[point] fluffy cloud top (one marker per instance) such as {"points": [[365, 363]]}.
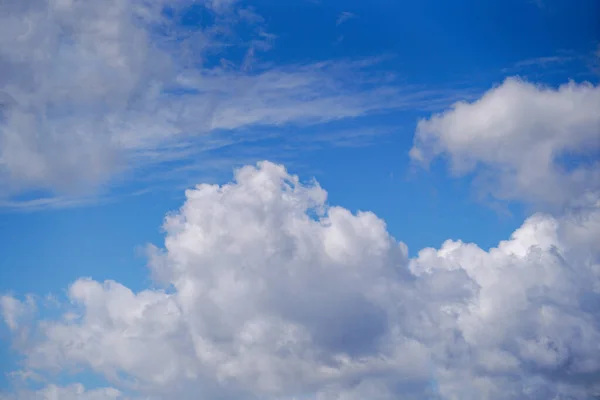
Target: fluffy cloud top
{"points": [[267, 290], [272, 293], [523, 141]]}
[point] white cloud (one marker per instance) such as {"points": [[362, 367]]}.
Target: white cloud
{"points": [[71, 392], [13, 311], [273, 294], [89, 87], [515, 139], [343, 17]]}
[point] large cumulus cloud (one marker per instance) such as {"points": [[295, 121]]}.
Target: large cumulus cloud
{"points": [[270, 292]]}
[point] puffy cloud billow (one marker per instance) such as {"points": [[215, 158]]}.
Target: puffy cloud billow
{"points": [[522, 141], [269, 292], [264, 290]]}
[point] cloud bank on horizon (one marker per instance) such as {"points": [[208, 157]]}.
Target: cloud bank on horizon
{"points": [[262, 288]]}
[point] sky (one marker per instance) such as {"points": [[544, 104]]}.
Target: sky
{"points": [[303, 199]]}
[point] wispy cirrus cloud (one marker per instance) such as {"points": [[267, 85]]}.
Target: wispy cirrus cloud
{"points": [[91, 91], [344, 17], [544, 61], [556, 63]]}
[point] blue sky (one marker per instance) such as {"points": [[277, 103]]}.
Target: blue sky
{"points": [[108, 116]]}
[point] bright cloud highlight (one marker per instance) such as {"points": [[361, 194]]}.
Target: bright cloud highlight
{"points": [[522, 141], [271, 292], [263, 289]]}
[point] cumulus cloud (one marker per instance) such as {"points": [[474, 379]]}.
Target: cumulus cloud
{"points": [[14, 311], [522, 141], [270, 292]]}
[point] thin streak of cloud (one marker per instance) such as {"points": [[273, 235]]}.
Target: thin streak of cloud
{"points": [[544, 61], [134, 99], [344, 17], [539, 3]]}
